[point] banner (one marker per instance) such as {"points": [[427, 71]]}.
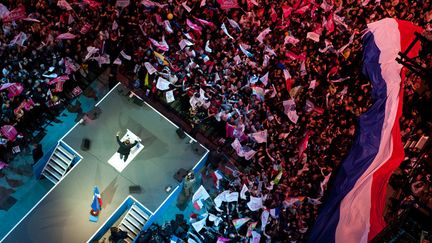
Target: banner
{"points": [[228, 4], [150, 68]]}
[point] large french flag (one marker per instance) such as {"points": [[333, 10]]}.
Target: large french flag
{"points": [[354, 209]]}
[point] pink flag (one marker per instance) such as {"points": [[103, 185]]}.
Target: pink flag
{"points": [[229, 130], [193, 26], [9, 132], [85, 28], [58, 79], [70, 67], [250, 3], [66, 36], [304, 143], [329, 23], [221, 239], [286, 11], [15, 89], [228, 4], [291, 40], [163, 46], [16, 14], [92, 4], [273, 15], [5, 86], [4, 11], [205, 22], [303, 9], [149, 4], [31, 20], [64, 5]]}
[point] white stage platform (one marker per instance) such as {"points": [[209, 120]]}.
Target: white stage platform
{"points": [[120, 164]]}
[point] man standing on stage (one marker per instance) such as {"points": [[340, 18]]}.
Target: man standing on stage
{"points": [[125, 147]]}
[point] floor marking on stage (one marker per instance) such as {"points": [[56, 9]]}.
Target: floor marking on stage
{"points": [[118, 163]]}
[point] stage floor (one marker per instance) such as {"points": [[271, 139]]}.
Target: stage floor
{"points": [[63, 214]]}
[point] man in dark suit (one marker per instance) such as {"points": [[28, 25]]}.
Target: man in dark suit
{"points": [[125, 147]]}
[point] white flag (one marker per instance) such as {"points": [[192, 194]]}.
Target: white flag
{"points": [[169, 96], [264, 219], [183, 43], [168, 27], [263, 34], [200, 224], [290, 110], [207, 48], [243, 192], [150, 68], [234, 24], [255, 203], [313, 36], [260, 137], [162, 84], [184, 4], [226, 31], [114, 25], [201, 193], [232, 197]]}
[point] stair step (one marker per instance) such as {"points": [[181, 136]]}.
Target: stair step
{"points": [[65, 152], [137, 216], [56, 167], [49, 177], [62, 157], [53, 173], [134, 222], [143, 214], [59, 162], [134, 231], [131, 238]]}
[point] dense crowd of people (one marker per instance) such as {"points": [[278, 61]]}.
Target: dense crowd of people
{"points": [[282, 78]]}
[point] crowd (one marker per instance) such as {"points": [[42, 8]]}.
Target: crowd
{"points": [[282, 78]]}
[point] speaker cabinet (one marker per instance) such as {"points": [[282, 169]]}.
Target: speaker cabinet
{"points": [[181, 133], [85, 144]]}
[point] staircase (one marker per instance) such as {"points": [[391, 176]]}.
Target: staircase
{"points": [[133, 222], [58, 164]]}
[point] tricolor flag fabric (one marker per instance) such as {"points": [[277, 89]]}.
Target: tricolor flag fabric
{"points": [[239, 222], [14, 15], [354, 209], [97, 200]]}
